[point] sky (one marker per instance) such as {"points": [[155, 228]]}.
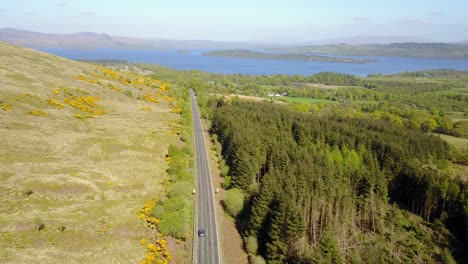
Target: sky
{"points": [[243, 20]]}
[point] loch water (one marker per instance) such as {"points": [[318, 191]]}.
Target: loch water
{"points": [[195, 60]]}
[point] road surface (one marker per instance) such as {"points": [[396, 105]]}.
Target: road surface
{"points": [[206, 248]]}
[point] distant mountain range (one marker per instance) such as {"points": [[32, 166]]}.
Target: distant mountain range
{"points": [[359, 40], [409, 49], [35, 39], [91, 40], [352, 46], [87, 40]]}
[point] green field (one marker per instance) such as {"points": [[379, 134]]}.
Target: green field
{"points": [[305, 100], [457, 142]]}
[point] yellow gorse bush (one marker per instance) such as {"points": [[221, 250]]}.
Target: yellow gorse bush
{"points": [[140, 81], [86, 79], [115, 88], [157, 253], [85, 104], [175, 108], [150, 98], [164, 87], [176, 128], [55, 103], [168, 98], [146, 109], [111, 73], [146, 213], [6, 107], [37, 112]]}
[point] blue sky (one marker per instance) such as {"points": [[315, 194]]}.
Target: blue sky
{"points": [[243, 20]]}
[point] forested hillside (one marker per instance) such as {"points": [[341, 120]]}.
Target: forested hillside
{"points": [[410, 49], [343, 168], [324, 188]]}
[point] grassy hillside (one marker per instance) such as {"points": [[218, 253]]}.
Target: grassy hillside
{"points": [[82, 149]]}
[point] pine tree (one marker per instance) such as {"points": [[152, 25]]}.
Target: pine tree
{"points": [[328, 251]]}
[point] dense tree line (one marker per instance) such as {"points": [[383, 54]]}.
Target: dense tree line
{"points": [[331, 188], [437, 89], [321, 188]]}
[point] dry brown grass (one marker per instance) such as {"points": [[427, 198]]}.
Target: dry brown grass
{"points": [[89, 175]]}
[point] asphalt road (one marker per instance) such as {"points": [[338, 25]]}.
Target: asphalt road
{"points": [[206, 247]]}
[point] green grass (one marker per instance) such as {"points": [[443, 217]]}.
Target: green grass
{"points": [[305, 100], [458, 143]]}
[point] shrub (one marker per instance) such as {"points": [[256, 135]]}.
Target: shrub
{"points": [[85, 104], [234, 201], [28, 193], [251, 245], [181, 188], [147, 109], [37, 113], [174, 151], [257, 260], [38, 224], [176, 203], [5, 106], [178, 170], [225, 170], [176, 224], [157, 253], [227, 182], [55, 103], [61, 227], [149, 98], [128, 93], [158, 211], [222, 163]]}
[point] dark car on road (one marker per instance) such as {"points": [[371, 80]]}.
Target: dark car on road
{"points": [[201, 232]]}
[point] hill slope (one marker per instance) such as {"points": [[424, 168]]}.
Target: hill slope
{"points": [[416, 50], [77, 40], [92, 40], [80, 156]]}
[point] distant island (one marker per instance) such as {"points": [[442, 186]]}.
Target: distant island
{"points": [[249, 54], [410, 50]]}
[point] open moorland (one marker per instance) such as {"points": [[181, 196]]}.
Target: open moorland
{"points": [[82, 149]]}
